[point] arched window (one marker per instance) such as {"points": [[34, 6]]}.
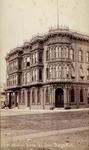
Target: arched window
{"points": [[56, 71], [60, 71], [50, 53], [33, 97], [47, 96], [28, 61], [38, 96], [33, 58], [23, 97], [40, 74], [47, 73], [47, 55], [40, 57], [72, 54], [67, 52], [72, 72], [88, 74], [59, 52], [67, 71], [81, 95], [28, 77], [80, 55], [56, 51], [36, 57], [87, 56], [72, 95], [81, 72], [25, 77]]}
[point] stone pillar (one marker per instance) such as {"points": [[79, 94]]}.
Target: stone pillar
{"points": [[10, 98], [15, 99], [85, 96], [53, 91], [43, 102], [77, 97], [65, 97]]}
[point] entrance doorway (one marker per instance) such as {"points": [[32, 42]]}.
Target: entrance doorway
{"points": [[59, 97]]}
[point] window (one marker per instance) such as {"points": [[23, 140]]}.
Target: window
{"points": [[88, 74], [81, 72], [81, 95], [38, 96], [28, 61], [19, 79], [67, 52], [23, 97], [33, 97], [33, 58], [80, 55], [57, 71], [72, 54], [24, 62], [72, 72], [59, 52], [47, 73], [50, 74], [24, 78], [87, 57], [60, 71], [72, 95], [28, 77], [47, 96], [47, 55], [67, 71], [40, 74], [40, 57], [56, 52]]}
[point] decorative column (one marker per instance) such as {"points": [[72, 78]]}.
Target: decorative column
{"points": [[85, 96], [43, 102], [77, 97], [66, 98]]}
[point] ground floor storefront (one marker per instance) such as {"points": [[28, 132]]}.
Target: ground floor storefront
{"points": [[49, 96]]}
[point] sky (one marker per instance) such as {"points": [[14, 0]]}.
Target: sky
{"points": [[22, 19]]}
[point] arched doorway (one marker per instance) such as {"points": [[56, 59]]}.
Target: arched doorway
{"points": [[59, 97]]}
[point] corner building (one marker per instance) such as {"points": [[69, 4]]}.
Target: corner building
{"points": [[50, 71]]}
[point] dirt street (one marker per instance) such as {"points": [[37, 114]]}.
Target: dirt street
{"points": [[46, 131]]}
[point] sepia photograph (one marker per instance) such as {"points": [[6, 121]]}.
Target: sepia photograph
{"points": [[44, 74]]}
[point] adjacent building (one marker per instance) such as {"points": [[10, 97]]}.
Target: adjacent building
{"points": [[50, 71]]}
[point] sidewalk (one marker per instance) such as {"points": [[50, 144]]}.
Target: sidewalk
{"points": [[15, 111]]}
